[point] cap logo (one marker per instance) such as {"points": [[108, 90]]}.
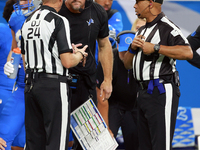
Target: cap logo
{"points": [[128, 40]]}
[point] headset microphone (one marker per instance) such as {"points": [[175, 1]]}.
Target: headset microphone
{"points": [[89, 3], [144, 9]]}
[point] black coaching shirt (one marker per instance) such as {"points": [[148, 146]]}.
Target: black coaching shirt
{"points": [[160, 31], [85, 28], [46, 35]]}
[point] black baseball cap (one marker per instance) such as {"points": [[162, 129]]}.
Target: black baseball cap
{"points": [[157, 1]]}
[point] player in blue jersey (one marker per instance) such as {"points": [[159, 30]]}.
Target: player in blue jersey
{"points": [[114, 22], [12, 128], [114, 17], [6, 84]]}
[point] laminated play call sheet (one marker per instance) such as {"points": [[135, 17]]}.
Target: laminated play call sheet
{"points": [[90, 128]]}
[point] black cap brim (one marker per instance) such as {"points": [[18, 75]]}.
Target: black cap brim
{"points": [[158, 1]]}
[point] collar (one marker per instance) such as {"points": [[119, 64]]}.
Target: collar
{"points": [[47, 7], [149, 24]]}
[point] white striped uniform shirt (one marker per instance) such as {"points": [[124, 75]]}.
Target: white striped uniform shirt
{"points": [[45, 35], [160, 31]]}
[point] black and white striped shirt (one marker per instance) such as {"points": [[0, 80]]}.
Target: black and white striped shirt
{"points": [[46, 35], [160, 31]]}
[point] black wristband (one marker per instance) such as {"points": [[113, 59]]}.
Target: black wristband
{"points": [[131, 50]]}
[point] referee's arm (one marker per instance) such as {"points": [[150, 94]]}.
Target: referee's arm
{"points": [[128, 57], [180, 52], [69, 59], [177, 52], [128, 60]]}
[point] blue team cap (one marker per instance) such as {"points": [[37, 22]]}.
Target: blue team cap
{"points": [[124, 39]]}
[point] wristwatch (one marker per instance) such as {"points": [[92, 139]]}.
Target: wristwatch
{"points": [[156, 48]]}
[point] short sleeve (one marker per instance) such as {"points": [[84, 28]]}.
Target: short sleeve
{"points": [[63, 36], [103, 18]]}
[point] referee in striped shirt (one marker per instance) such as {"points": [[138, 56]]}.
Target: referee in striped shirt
{"points": [[47, 52], [152, 55]]}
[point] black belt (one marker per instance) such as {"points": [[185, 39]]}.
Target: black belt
{"points": [[45, 75], [52, 76], [32, 77]]}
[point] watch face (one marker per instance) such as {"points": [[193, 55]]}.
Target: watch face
{"points": [[156, 47]]}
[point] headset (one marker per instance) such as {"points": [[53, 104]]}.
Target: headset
{"points": [[86, 7], [121, 33], [28, 8], [144, 9]]}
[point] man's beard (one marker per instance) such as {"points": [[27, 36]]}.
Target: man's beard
{"points": [[75, 7]]}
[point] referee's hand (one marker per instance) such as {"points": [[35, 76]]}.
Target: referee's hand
{"points": [[75, 47], [2, 144], [138, 41], [82, 51], [148, 48]]}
